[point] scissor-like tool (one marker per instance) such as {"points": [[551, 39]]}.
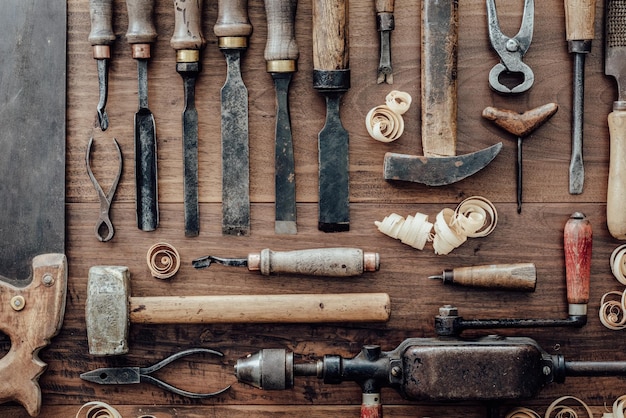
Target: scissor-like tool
{"points": [[132, 375], [511, 50], [104, 224]]}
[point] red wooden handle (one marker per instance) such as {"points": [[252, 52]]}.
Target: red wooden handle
{"points": [[577, 246], [371, 407]]}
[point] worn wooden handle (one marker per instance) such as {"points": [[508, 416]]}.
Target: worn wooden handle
{"points": [[577, 245], [580, 16], [330, 35], [141, 28], [384, 6], [101, 15], [439, 80], [520, 124], [521, 276], [616, 192], [281, 39], [232, 19], [188, 25], [292, 308]]}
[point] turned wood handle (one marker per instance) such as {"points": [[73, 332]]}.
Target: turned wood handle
{"points": [[188, 25], [141, 28], [616, 192], [521, 276], [384, 6], [520, 124], [330, 35], [577, 245], [281, 39], [232, 19], [290, 308], [579, 19], [101, 15]]}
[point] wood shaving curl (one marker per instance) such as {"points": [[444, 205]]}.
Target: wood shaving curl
{"points": [[522, 413], [398, 101], [384, 123], [611, 311], [618, 263], [163, 260], [97, 409], [566, 411]]}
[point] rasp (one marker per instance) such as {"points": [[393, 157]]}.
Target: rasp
{"points": [[281, 55], [101, 37], [141, 33], [331, 78], [188, 41], [232, 30]]}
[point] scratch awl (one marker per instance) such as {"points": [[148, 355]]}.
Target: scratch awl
{"points": [[520, 276], [329, 262], [101, 37], [385, 23]]}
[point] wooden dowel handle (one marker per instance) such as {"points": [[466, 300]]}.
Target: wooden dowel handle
{"points": [[188, 25], [577, 244], [616, 192], [521, 276], [579, 19], [232, 19], [384, 6], [281, 39], [141, 28], [101, 15], [330, 35]]}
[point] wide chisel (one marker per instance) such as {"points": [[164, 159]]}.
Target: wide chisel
{"points": [[331, 77], [232, 30], [141, 33], [101, 37], [281, 55], [188, 41]]}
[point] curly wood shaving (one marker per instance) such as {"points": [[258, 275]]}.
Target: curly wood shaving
{"points": [[398, 101], [97, 409], [413, 231], [611, 312], [163, 260], [384, 123], [619, 406], [618, 263], [522, 413], [566, 411], [474, 210]]}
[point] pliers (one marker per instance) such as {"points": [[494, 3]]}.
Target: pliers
{"points": [[511, 50]]}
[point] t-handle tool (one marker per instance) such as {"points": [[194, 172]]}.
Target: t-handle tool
{"points": [[330, 262], [104, 223], [133, 375], [579, 19], [385, 23], [519, 276], [101, 37], [188, 40], [511, 50], [141, 33], [521, 125]]}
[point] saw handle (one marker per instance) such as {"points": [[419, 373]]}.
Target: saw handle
{"points": [[101, 35], [281, 39], [577, 244], [616, 192], [579, 19], [188, 25], [232, 19], [330, 35]]}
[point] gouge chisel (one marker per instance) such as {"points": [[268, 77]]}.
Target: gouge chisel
{"points": [[188, 40], [385, 23], [101, 37], [141, 33], [232, 30], [521, 276], [281, 56]]}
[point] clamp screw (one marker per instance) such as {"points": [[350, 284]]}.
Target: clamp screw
{"points": [[18, 303], [396, 371], [547, 370], [47, 279]]}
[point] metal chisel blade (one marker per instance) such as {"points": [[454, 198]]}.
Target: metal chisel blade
{"points": [[103, 87], [576, 167], [190, 159], [285, 180], [235, 152], [385, 72]]}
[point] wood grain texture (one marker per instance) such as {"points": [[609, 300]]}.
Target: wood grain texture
{"points": [[534, 236]]}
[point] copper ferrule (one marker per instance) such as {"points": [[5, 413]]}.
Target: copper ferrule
{"points": [[232, 42], [140, 51], [101, 52], [254, 261], [281, 66], [187, 55], [371, 261]]}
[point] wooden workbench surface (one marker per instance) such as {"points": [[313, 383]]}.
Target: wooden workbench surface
{"points": [[535, 235]]}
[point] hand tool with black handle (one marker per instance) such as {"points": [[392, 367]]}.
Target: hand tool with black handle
{"points": [[615, 65], [101, 37], [140, 35], [232, 30], [520, 276], [188, 41], [281, 56], [330, 262], [579, 20], [385, 23], [331, 77]]}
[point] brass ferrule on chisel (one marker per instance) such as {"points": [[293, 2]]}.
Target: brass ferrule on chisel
{"points": [[232, 42], [187, 55], [281, 66]]}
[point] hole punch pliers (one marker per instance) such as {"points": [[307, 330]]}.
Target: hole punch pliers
{"points": [[511, 50], [132, 375], [104, 223]]}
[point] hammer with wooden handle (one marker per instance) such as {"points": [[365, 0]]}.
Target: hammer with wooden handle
{"points": [[110, 309]]}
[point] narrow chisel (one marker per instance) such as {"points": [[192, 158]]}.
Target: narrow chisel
{"points": [[141, 33], [101, 37], [188, 41], [331, 77], [385, 23], [281, 55], [232, 30]]}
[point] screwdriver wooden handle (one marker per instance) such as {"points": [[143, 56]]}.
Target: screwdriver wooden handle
{"points": [[141, 28], [616, 192], [281, 39], [232, 22], [520, 276], [384, 6], [101, 33], [188, 25], [330, 35], [577, 245], [579, 19], [329, 262]]}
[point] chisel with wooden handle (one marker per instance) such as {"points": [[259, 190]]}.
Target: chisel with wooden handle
{"points": [[520, 276], [101, 37]]}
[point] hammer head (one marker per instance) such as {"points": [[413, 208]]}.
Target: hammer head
{"points": [[106, 310]]}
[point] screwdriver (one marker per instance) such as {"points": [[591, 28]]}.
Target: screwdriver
{"points": [[519, 276]]}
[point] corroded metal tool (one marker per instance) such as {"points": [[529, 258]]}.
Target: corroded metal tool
{"points": [[101, 37], [232, 30], [281, 56], [331, 77], [141, 33], [188, 40], [385, 23], [579, 21], [520, 276]]}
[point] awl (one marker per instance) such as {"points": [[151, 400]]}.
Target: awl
{"points": [[330, 262], [141, 33], [521, 276], [281, 55], [579, 20], [101, 37], [188, 40], [232, 30], [385, 23], [331, 77]]}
